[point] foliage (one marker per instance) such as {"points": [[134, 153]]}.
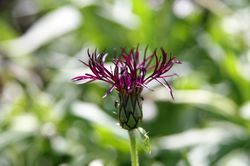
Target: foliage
{"points": [[45, 119]]}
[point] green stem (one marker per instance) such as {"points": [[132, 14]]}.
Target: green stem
{"points": [[133, 148]]}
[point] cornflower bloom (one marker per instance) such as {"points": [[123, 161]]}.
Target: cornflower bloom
{"points": [[130, 75]]}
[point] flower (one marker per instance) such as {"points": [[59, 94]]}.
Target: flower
{"points": [[130, 75]]}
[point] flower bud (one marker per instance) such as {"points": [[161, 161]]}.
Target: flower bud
{"points": [[130, 110]]}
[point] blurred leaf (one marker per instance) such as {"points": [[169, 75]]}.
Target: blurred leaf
{"points": [[242, 144], [9, 138], [49, 26], [223, 105], [144, 140], [6, 31]]}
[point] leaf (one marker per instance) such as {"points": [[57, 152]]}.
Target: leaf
{"points": [[144, 140], [227, 147]]}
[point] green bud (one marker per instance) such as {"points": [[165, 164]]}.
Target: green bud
{"points": [[130, 111]]}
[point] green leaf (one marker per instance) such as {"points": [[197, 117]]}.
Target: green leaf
{"points": [[228, 147], [144, 140]]}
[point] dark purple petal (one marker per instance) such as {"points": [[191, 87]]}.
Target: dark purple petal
{"points": [[109, 91], [129, 74]]}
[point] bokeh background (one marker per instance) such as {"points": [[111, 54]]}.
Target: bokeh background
{"points": [[45, 119]]}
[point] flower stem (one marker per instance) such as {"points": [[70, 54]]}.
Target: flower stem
{"points": [[133, 148]]}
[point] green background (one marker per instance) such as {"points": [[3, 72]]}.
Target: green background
{"points": [[45, 119]]}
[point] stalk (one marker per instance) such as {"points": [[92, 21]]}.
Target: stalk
{"points": [[133, 148]]}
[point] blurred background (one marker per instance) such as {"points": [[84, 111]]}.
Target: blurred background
{"points": [[45, 119]]}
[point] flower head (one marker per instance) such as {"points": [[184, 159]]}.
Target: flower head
{"points": [[131, 73]]}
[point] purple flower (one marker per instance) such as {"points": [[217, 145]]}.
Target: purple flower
{"points": [[131, 73]]}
